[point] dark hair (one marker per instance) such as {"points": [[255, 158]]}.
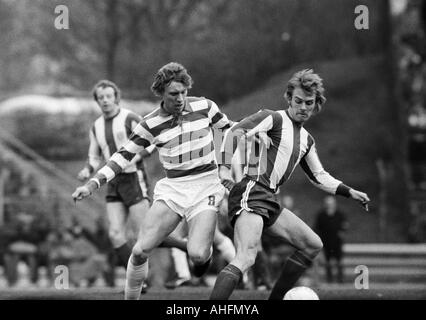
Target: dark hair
{"points": [[172, 71], [309, 82], [105, 84]]}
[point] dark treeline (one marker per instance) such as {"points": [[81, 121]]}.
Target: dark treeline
{"points": [[228, 46]]}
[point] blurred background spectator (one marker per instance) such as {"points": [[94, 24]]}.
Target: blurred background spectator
{"points": [[330, 225]]}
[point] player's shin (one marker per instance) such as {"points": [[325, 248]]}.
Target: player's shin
{"points": [[135, 277], [294, 267], [226, 282]]}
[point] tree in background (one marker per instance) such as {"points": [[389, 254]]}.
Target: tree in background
{"points": [[228, 45]]}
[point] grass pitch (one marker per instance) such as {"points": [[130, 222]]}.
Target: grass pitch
{"points": [[388, 292]]}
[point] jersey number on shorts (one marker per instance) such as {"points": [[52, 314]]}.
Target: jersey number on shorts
{"points": [[211, 200]]}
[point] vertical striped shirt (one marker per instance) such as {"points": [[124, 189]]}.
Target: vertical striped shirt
{"points": [[185, 145], [108, 135], [278, 144]]}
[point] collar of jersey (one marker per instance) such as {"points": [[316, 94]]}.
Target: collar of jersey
{"points": [[164, 113], [119, 110]]}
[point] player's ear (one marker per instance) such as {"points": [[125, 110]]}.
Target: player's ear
{"points": [[287, 97]]}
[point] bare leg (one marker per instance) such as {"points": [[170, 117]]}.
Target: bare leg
{"points": [[247, 235], [293, 230], [158, 223], [200, 240], [117, 212]]}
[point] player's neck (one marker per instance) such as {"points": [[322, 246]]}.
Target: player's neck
{"points": [[112, 114]]}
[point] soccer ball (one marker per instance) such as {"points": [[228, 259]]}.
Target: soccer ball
{"points": [[301, 293]]}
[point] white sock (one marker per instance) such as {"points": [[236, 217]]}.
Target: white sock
{"points": [[135, 276], [227, 249], [180, 262]]}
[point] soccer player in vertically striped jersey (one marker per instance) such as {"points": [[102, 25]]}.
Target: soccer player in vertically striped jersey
{"points": [[127, 195], [180, 128], [281, 143]]}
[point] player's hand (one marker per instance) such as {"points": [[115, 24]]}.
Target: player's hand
{"points": [[81, 192], [226, 177], [83, 175], [361, 197]]}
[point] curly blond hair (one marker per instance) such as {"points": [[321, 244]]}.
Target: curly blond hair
{"points": [[172, 71]]}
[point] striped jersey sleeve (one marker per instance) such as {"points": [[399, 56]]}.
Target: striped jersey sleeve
{"points": [[258, 124], [218, 119], [320, 178], [95, 157], [131, 121], [140, 138]]}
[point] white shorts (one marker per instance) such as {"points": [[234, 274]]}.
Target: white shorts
{"points": [[188, 196]]}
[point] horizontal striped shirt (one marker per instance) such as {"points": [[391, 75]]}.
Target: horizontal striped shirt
{"points": [[277, 145], [185, 144]]}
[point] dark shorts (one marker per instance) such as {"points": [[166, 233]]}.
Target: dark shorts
{"points": [[126, 188], [253, 197]]}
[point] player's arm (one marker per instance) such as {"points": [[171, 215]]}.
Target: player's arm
{"points": [[94, 158], [260, 122], [147, 152], [313, 168], [134, 120], [138, 140], [218, 119]]}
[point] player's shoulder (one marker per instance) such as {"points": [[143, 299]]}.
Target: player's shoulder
{"points": [[152, 114], [98, 120], [131, 114], [126, 111], [268, 111], [192, 99], [200, 103], [265, 112]]}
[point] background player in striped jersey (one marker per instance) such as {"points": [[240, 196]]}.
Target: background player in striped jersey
{"points": [[127, 196], [283, 143], [180, 128]]}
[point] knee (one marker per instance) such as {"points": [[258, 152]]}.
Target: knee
{"points": [[117, 236], [199, 255], [314, 245], [139, 254]]}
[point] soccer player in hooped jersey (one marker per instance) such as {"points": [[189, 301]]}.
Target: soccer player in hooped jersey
{"points": [[180, 128], [283, 143]]}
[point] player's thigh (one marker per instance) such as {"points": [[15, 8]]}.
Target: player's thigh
{"points": [[293, 230], [137, 213], [181, 231], [248, 230], [116, 212], [157, 224], [219, 236], [201, 229]]}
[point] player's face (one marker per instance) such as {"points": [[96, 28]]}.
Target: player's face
{"points": [[106, 100], [174, 97], [301, 105]]}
